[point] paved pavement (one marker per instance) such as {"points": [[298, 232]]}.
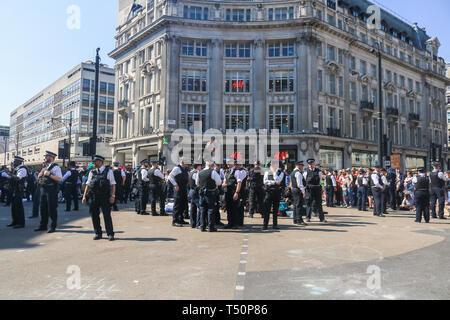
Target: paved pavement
{"points": [[354, 256]]}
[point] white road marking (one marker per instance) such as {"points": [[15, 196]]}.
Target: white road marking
{"points": [[244, 273], [240, 288], [243, 261], [20, 251]]}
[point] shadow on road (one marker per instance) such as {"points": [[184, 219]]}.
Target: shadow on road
{"points": [[146, 239]]}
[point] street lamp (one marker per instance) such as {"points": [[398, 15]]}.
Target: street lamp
{"points": [[68, 125], [377, 51]]}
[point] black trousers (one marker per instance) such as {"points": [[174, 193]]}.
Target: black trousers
{"points": [[156, 192], [378, 197], [271, 204], [142, 199], [49, 206], [180, 205], [126, 193], [299, 211], [17, 212], [256, 196], [314, 202], [392, 198], [362, 198], [207, 203], [217, 209], [101, 203], [119, 196], [330, 194], [422, 199], [36, 202], [232, 208], [71, 195], [437, 194], [384, 200]]}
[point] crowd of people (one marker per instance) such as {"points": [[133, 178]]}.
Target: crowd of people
{"points": [[201, 192]]}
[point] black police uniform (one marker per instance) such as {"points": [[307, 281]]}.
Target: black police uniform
{"points": [[362, 193], [299, 201], [127, 187], [219, 193], [231, 205], [256, 190], [49, 200], [437, 194], [70, 190], [31, 186], [272, 199], [181, 196], [156, 192], [143, 190], [329, 190], [377, 195], [100, 193], [207, 192], [314, 193], [392, 180], [119, 187], [18, 189], [242, 198], [4, 182], [422, 198]]}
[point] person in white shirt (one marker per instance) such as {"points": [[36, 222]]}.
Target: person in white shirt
{"points": [[377, 191], [422, 195], [179, 177], [17, 184], [143, 188], [49, 177], [207, 180], [330, 186], [298, 193], [438, 180], [156, 192], [273, 182], [234, 178], [362, 184], [103, 186]]}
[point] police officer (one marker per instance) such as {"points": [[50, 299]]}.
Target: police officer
{"points": [[298, 192], [233, 182], [273, 180], [313, 178], [119, 177], [17, 184], [127, 185], [194, 196], [362, 184], [143, 188], [438, 180], [330, 187], [156, 179], [101, 185], [207, 181], [179, 177], [391, 178], [70, 180], [385, 193], [49, 177], [256, 188], [422, 195], [242, 194], [4, 181], [377, 191], [220, 192]]}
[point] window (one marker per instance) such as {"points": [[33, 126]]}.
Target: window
{"points": [[319, 49], [103, 86], [341, 87], [363, 67], [402, 82], [238, 15], [236, 81], [373, 71], [403, 135], [281, 117], [364, 93], [331, 19], [331, 118], [353, 126], [402, 105], [340, 56], [320, 117], [196, 13], [237, 117], [193, 80], [281, 13], [410, 85], [353, 91], [330, 53], [319, 81], [237, 50], [281, 81], [331, 84], [111, 88], [191, 48], [388, 76], [189, 115], [281, 49], [86, 85], [352, 63]]}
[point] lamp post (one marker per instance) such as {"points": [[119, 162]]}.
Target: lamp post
{"points": [[94, 128], [377, 51]]}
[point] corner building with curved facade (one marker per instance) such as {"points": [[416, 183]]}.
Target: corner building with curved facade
{"points": [[306, 68]]}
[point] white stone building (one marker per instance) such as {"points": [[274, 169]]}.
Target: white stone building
{"points": [[306, 68]]}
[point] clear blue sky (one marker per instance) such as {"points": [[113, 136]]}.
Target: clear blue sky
{"points": [[38, 47]]}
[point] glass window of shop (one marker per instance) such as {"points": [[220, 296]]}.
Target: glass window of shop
{"points": [[414, 163], [331, 158], [364, 159]]}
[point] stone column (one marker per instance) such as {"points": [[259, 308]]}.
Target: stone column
{"points": [[215, 112], [116, 132], [259, 86]]}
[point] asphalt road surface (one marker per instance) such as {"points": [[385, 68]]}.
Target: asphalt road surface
{"points": [[353, 256]]}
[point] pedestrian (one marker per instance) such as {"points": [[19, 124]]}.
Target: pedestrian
{"points": [[313, 198], [438, 180], [119, 177], [70, 180], [256, 189], [143, 183], [298, 193], [101, 187], [156, 189], [207, 180], [127, 185], [377, 190], [422, 195], [273, 180], [385, 193], [330, 187], [179, 177], [194, 197], [17, 185], [362, 184]]}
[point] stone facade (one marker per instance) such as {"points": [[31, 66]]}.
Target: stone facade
{"points": [[306, 68]]}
